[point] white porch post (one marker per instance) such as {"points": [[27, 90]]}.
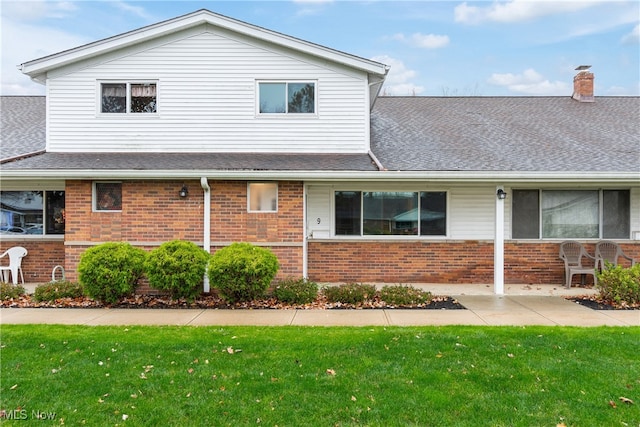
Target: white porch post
{"points": [[498, 244], [206, 225]]}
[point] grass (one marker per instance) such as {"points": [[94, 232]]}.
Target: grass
{"points": [[297, 376]]}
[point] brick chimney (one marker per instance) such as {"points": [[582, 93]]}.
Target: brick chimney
{"points": [[583, 85]]}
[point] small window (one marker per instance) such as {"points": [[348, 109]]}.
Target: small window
{"points": [[128, 98], [286, 98], [263, 197], [108, 196]]}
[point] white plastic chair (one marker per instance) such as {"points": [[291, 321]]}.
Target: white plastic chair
{"points": [[15, 254]]}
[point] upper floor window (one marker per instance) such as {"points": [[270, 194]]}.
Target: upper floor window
{"points": [[571, 214], [125, 97], [391, 213], [32, 212], [287, 97]]}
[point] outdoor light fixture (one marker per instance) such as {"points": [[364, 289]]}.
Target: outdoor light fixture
{"points": [[184, 191], [501, 194]]}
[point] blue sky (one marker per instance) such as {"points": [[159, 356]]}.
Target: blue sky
{"points": [[434, 48]]}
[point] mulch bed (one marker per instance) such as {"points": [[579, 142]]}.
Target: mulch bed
{"points": [[594, 302], [214, 302]]}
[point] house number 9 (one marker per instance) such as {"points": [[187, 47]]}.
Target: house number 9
{"points": [[318, 220]]}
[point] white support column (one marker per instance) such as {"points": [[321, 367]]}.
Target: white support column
{"points": [[498, 245], [206, 222]]}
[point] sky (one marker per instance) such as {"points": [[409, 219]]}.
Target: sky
{"points": [[434, 48]]}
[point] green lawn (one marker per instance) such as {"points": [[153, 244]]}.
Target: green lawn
{"points": [[296, 376]]}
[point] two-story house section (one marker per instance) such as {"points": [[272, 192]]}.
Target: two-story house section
{"points": [[213, 130], [133, 119]]}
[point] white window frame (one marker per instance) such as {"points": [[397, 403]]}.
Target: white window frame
{"points": [[287, 113], [127, 112], [249, 205]]}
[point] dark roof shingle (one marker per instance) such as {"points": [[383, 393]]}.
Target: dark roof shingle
{"points": [[507, 134], [22, 125]]}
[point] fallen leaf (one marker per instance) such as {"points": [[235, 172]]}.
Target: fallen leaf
{"points": [[511, 355], [626, 400], [15, 386], [190, 370], [613, 404], [230, 350], [124, 417], [353, 398], [331, 372]]}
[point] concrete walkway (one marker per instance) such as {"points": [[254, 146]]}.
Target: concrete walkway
{"points": [[520, 306]]}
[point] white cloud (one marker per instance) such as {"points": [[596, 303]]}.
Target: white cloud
{"points": [[398, 81], [530, 82], [632, 37], [517, 10], [36, 41], [430, 41], [35, 10], [426, 41], [141, 12]]}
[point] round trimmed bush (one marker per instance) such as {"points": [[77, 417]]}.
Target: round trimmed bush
{"points": [[242, 271], [111, 270], [177, 267]]}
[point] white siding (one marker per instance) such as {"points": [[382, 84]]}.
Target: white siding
{"points": [[472, 213], [319, 211], [471, 210], [207, 101]]}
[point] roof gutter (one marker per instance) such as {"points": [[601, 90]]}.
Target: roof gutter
{"points": [[323, 175]]}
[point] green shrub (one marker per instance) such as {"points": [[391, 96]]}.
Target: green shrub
{"points": [[296, 291], [9, 291], [619, 284], [56, 290], [178, 267], [242, 271], [111, 270], [400, 295], [350, 293]]}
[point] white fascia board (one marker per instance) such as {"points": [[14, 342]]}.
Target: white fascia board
{"points": [[626, 178], [37, 68]]}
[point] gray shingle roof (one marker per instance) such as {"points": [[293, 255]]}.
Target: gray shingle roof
{"points": [[196, 161], [22, 125], [507, 134], [502, 134]]}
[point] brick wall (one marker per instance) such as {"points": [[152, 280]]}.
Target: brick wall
{"points": [[439, 262], [41, 258], [153, 213]]}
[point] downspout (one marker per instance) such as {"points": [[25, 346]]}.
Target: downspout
{"points": [[206, 225], [305, 239], [498, 244]]}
